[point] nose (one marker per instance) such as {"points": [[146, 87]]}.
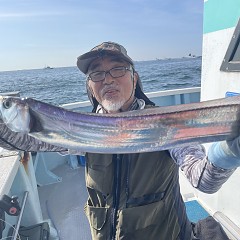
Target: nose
{"points": [[108, 78]]}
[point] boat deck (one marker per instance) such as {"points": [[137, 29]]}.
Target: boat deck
{"points": [[63, 203]]}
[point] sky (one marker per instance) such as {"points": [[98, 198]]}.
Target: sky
{"points": [[39, 33]]}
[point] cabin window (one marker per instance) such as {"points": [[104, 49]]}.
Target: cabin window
{"points": [[231, 61]]}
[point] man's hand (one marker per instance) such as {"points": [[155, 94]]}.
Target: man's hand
{"points": [[234, 146], [225, 154]]}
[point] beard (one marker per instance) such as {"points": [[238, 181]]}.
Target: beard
{"points": [[111, 106]]}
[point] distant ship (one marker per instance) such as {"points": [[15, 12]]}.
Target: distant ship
{"points": [[192, 56], [48, 67]]}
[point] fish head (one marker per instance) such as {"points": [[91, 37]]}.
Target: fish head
{"points": [[15, 114]]}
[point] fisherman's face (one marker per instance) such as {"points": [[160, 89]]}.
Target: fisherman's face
{"points": [[114, 94]]}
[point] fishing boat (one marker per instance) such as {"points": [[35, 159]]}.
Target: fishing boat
{"points": [[48, 67], [46, 191]]}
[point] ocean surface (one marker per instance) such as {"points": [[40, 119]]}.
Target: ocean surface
{"points": [[67, 84]]}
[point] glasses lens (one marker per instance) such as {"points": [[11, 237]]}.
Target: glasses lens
{"points": [[114, 72], [118, 72], [97, 76]]}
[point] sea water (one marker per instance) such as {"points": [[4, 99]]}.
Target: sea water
{"points": [[68, 84]]}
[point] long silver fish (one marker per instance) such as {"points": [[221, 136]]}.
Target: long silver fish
{"points": [[20, 141], [15, 141], [145, 130]]}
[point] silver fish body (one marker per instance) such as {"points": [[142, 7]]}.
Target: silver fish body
{"points": [[145, 130], [19, 139], [11, 111]]}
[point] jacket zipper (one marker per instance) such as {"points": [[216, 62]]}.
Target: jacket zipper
{"points": [[117, 161], [127, 180]]}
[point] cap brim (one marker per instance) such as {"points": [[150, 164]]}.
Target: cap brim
{"points": [[85, 60]]}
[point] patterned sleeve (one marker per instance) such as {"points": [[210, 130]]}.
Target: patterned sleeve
{"points": [[203, 175]]}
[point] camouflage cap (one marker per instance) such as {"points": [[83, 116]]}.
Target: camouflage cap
{"points": [[105, 48]]}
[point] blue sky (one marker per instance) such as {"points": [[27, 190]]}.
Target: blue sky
{"points": [[36, 33]]}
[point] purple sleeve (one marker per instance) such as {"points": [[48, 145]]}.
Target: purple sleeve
{"points": [[202, 174]]}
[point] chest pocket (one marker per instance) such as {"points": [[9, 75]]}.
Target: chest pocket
{"points": [[99, 174]]}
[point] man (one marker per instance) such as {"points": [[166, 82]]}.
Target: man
{"points": [[137, 196]]}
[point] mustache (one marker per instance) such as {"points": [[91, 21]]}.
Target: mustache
{"points": [[109, 88]]}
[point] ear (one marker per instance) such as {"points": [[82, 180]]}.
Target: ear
{"points": [[135, 79], [90, 89]]}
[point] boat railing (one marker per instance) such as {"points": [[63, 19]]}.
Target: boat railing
{"points": [[13, 94], [160, 98]]}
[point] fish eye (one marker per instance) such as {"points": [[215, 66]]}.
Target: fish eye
{"points": [[7, 104]]}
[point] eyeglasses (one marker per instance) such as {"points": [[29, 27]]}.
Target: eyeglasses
{"points": [[115, 72]]}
